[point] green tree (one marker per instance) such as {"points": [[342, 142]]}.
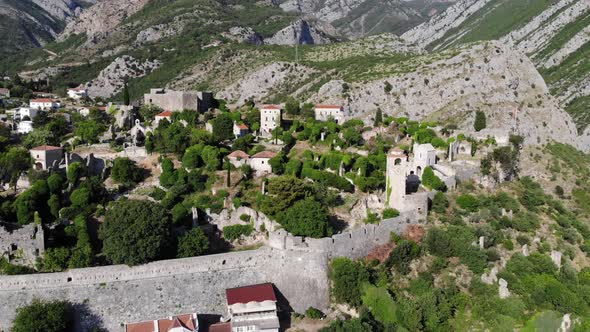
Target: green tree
{"points": [[74, 172], [431, 181], [378, 118], [352, 137], [136, 232], [211, 157], [307, 111], [56, 182], [125, 171], [292, 106], [80, 197], [126, 96], [306, 218], [56, 259], [277, 163], [54, 205], [13, 163], [193, 243], [223, 127], [168, 177], [440, 203], [402, 255], [88, 131], [39, 137], [347, 277], [192, 157], [56, 316], [480, 121]]}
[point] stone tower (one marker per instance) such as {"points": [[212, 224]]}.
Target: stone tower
{"points": [[395, 190]]}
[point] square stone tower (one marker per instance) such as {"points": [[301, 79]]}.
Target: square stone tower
{"points": [[395, 189]]}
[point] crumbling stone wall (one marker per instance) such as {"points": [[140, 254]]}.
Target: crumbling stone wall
{"points": [[23, 244]]}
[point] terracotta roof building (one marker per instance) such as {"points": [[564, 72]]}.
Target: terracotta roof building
{"points": [[180, 323], [260, 162], [253, 308], [238, 158]]}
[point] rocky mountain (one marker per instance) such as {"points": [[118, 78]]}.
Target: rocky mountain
{"points": [[554, 34], [32, 23], [358, 18]]}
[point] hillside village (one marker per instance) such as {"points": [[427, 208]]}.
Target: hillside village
{"points": [[278, 166]]}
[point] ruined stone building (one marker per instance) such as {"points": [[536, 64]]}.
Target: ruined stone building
{"points": [[46, 157], [402, 183], [21, 244], [177, 101], [270, 119]]}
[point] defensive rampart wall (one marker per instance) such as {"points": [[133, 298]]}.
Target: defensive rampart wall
{"points": [[118, 294]]}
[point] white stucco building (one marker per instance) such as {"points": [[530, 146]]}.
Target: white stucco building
{"points": [[44, 103], [77, 93], [23, 113], [253, 308], [24, 127], [327, 112], [238, 158], [240, 129], [270, 119], [260, 162]]}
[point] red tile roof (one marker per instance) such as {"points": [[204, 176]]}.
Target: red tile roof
{"points": [[46, 148], [3, 90], [264, 154], [238, 154], [272, 107], [243, 126], [220, 327], [328, 106], [166, 114], [164, 325], [42, 100], [254, 293]]}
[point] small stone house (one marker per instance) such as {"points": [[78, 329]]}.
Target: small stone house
{"points": [[238, 158], [180, 323], [45, 156], [260, 162], [240, 130]]}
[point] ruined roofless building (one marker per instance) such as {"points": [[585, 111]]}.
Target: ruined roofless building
{"points": [[177, 101]]}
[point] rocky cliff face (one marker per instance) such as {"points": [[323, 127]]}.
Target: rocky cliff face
{"points": [[32, 23], [358, 18], [554, 34], [301, 32], [490, 77]]}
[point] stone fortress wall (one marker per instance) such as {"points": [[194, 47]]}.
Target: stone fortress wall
{"points": [[119, 294]]}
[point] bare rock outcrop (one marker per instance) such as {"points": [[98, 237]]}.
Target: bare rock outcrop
{"points": [[300, 32], [111, 80], [490, 77], [243, 35]]}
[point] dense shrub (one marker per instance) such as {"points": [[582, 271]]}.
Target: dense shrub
{"points": [[468, 202], [431, 181], [328, 179], [440, 203], [402, 255], [234, 232], [347, 277]]}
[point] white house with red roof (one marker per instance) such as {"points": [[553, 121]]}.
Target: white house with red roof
{"points": [[180, 323], [271, 117], [329, 112], [46, 156], [240, 129], [164, 115], [44, 103], [260, 162], [238, 158], [253, 308], [77, 93]]}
